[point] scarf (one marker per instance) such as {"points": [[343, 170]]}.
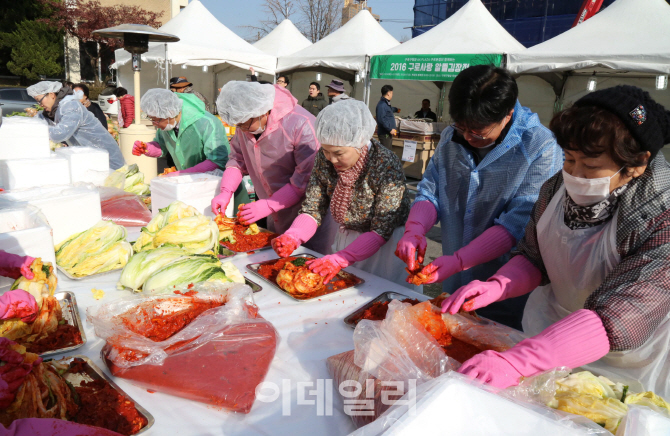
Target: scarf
{"points": [[339, 203], [583, 217], [64, 91]]}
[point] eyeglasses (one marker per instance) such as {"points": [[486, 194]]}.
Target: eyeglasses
{"points": [[39, 102], [462, 131], [245, 125], [280, 81]]}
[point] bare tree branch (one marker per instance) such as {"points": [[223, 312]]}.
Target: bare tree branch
{"points": [[319, 17], [276, 11]]}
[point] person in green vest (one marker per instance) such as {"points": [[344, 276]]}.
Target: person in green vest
{"points": [[194, 138]]}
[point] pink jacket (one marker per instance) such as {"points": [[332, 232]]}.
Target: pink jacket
{"points": [[284, 153], [127, 108]]}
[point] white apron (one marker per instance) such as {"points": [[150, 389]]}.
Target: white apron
{"points": [[384, 263], [324, 237], [577, 262]]}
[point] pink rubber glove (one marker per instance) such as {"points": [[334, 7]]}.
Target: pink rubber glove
{"points": [[412, 247], [362, 248], [202, 167], [517, 277], [232, 177], [286, 196], [15, 266], [53, 427], [491, 244], [153, 149], [18, 304], [302, 229], [576, 340]]}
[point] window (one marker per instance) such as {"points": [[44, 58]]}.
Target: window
{"points": [[11, 94]]}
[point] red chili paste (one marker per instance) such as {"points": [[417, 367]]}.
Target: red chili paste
{"points": [[248, 242], [66, 335]]}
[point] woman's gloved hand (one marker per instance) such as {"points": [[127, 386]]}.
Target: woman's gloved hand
{"points": [[284, 245], [18, 304], [251, 212], [151, 149], [327, 266], [15, 266]]}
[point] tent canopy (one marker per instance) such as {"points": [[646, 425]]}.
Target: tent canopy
{"points": [[344, 49], [204, 40], [629, 35], [471, 30], [285, 39]]}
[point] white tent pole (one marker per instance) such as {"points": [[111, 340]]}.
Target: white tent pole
{"points": [[368, 80], [167, 70]]}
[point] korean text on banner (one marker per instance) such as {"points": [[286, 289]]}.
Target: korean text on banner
{"points": [[441, 68]]}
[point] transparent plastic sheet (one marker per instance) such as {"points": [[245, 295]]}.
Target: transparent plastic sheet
{"points": [[389, 357], [466, 407], [231, 345], [123, 208], [643, 421], [481, 332]]}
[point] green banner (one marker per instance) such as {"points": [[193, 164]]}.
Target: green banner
{"points": [[440, 68]]}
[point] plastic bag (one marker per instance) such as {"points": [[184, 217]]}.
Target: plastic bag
{"points": [[123, 208], [465, 407], [230, 345], [643, 421], [481, 332]]}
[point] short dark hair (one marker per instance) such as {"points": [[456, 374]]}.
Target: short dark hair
{"points": [[318, 87], [120, 92], [285, 78], [593, 131], [83, 88], [482, 95], [425, 99], [386, 89]]}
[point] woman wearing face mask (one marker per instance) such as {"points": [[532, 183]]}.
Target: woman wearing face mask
{"points": [[275, 145], [69, 121], [363, 185], [194, 138], [596, 252]]}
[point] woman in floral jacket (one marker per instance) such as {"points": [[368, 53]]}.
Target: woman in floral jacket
{"points": [[363, 184]]}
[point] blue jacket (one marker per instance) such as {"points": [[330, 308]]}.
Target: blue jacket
{"points": [[385, 118], [500, 190]]}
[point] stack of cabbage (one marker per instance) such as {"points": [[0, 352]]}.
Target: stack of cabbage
{"points": [[159, 268], [99, 249], [601, 400], [180, 226], [128, 178]]}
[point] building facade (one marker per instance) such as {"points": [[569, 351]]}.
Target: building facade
{"points": [[352, 7]]}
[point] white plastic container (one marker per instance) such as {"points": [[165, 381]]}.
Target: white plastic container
{"points": [[196, 190], [87, 164], [24, 137], [69, 209], [24, 230], [31, 173]]}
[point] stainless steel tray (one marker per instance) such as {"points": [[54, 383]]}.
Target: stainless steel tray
{"points": [[68, 305], [92, 373], [227, 252], [66, 274], [253, 267], [353, 318], [253, 285]]}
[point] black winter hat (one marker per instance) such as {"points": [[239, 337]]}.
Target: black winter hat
{"points": [[647, 121]]}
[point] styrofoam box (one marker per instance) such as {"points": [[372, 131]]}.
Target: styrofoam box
{"points": [[24, 231], [460, 408], [30, 173], [24, 137], [69, 209], [196, 190], [87, 164]]}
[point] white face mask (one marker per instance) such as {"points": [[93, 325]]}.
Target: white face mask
{"points": [[260, 128], [586, 192], [170, 126]]}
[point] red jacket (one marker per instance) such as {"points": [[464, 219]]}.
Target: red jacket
{"points": [[127, 107]]}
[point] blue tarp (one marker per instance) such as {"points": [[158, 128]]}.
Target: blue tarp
{"points": [[529, 21]]}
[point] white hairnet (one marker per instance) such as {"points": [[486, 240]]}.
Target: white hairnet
{"points": [[41, 88], [347, 123], [240, 101], [161, 103]]}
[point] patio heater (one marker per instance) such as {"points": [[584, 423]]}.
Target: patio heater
{"points": [[136, 38]]}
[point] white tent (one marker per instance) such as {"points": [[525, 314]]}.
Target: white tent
{"points": [[629, 35], [285, 39], [471, 30], [203, 41], [344, 49]]}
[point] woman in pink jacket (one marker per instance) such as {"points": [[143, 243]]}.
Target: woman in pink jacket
{"points": [[276, 146]]}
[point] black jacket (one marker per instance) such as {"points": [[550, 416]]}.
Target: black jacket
{"points": [[385, 118], [432, 115], [314, 105], [95, 110]]}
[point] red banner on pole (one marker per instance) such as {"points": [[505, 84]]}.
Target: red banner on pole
{"points": [[588, 9]]}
